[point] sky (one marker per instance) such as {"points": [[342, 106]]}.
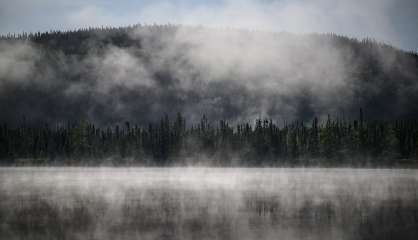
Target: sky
{"points": [[390, 21]]}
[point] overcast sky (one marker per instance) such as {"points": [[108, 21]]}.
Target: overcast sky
{"points": [[391, 21]]}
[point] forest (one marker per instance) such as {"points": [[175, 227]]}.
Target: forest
{"points": [[97, 96], [110, 75], [172, 142]]}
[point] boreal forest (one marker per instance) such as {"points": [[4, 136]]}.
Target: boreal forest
{"points": [[177, 95], [169, 142]]}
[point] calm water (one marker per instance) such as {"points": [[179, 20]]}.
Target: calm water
{"points": [[207, 203]]}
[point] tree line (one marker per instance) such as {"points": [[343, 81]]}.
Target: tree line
{"points": [[330, 142], [71, 41]]}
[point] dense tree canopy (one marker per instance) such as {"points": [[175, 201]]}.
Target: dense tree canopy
{"points": [[332, 142]]}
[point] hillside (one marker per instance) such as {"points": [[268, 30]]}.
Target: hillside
{"points": [[139, 73]]}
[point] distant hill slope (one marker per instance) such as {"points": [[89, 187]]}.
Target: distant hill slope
{"points": [[139, 73]]}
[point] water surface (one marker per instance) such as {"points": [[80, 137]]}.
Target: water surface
{"points": [[208, 203]]}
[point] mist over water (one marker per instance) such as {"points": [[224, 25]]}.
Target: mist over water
{"points": [[207, 203]]}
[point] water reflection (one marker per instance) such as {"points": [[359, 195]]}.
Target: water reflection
{"points": [[205, 203]]}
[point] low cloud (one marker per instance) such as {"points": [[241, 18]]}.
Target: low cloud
{"points": [[226, 74]]}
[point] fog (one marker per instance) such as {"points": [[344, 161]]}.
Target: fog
{"points": [[229, 74], [392, 21], [212, 203]]}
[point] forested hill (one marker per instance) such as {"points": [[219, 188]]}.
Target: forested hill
{"points": [[139, 73]]}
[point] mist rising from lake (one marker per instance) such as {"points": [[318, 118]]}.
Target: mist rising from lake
{"points": [[208, 203]]}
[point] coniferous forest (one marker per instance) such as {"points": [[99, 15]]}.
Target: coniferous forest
{"points": [[98, 96], [110, 75], [332, 142]]}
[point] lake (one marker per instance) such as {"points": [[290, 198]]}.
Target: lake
{"points": [[208, 203]]}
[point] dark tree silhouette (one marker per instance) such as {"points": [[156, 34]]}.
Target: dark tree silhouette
{"points": [[328, 143]]}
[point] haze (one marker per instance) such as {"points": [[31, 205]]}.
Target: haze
{"points": [[390, 21]]}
